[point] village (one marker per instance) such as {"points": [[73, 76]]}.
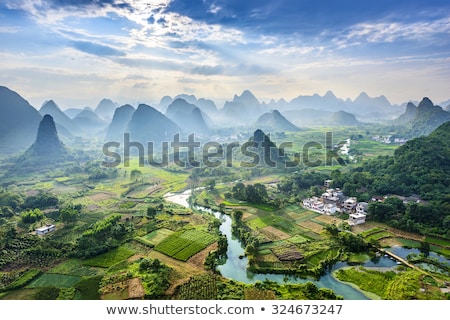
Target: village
{"points": [[334, 201]]}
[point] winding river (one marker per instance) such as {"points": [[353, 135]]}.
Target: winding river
{"points": [[235, 266]]}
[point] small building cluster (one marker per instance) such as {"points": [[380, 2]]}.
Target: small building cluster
{"points": [[333, 200], [389, 139]]}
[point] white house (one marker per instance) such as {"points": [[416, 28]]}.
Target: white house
{"points": [[332, 195], [350, 204], [362, 207], [307, 203], [313, 203], [327, 183], [356, 218], [46, 229], [329, 208]]}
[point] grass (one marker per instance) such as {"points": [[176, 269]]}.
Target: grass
{"points": [[438, 241], [26, 278], [172, 181], [358, 258], [260, 206], [298, 239], [74, 267], [408, 243], [20, 294], [157, 236], [307, 215], [109, 258], [440, 250], [256, 223], [368, 280], [373, 148], [54, 280], [184, 244], [315, 259], [88, 288], [378, 235], [370, 231]]}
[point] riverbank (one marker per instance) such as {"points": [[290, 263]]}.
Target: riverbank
{"points": [[369, 295]]}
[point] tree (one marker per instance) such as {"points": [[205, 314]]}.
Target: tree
{"points": [[211, 184], [151, 212], [381, 211], [237, 216], [332, 229], [68, 214], [261, 193], [239, 191], [425, 248], [6, 211], [31, 216], [135, 174]]}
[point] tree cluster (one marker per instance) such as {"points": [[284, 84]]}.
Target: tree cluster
{"points": [[255, 193], [102, 236]]}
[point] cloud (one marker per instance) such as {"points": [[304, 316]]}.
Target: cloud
{"points": [[436, 32], [141, 85], [9, 29], [207, 70], [96, 49], [96, 3], [392, 31]]}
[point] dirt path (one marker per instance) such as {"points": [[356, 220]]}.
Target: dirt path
{"points": [[135, 289], [198, 259]]}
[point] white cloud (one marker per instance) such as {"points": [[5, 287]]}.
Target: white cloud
{"points": [[9, 29], [393, 31], [215, 8]]}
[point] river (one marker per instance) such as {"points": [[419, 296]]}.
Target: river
{"points": [[235, 266]]}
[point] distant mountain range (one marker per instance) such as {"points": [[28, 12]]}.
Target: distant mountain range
{"points": [[187, 114]]}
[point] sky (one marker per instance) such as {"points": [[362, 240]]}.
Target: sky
{"points": [[137, 51]]}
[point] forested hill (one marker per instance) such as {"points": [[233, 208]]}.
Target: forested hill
{"points": [[420, 168]]}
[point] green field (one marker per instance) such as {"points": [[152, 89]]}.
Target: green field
{"points": [[184, 244], [264, 207], [378, 235], [438, 241], [75, 267], [307, 215], [298, 239], [109, 258], [373, 148], [155, 237], [54, 280]]}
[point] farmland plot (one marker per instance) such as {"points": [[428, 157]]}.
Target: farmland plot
{"points": [[184, 244]]}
